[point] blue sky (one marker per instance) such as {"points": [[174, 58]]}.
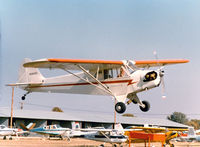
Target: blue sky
{"points": [[111, 30]]}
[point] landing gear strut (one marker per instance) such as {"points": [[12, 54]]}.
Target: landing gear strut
{"points": [[24, 96], [120, 107], [144, 105]]}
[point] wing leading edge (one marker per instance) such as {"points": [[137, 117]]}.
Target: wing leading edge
{"points": [[71, 64]]}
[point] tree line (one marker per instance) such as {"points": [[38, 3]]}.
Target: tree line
{"points": [[182, 118]]}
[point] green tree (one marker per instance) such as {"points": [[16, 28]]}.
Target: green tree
{"points": [[128, 115], [178, 117], [194, 123], [57, 109]]}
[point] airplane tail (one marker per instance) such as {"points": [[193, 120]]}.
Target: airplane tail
{"points": [[29, 75], [75, 125], [28, 127], [191, 131], [119, 128]]}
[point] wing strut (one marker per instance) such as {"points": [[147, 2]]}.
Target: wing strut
{"points": [[105, 89], [105, 136]]}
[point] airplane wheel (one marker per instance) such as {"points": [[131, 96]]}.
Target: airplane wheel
{"points": [[120, 107], [23, 98], [147, 106], [4, 138]]}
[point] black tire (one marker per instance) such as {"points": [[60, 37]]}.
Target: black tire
{"points": [[120, 107], [147, 106], [23, 98]]}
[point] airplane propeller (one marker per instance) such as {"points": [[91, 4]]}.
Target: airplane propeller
{"points": [[162, 83], [161, 74]]}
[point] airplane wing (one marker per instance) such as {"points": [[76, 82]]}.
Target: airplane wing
{"points": [[71, 64], [154, 63], [156, 130], [96, 130]]}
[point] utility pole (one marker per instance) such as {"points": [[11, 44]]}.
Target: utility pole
{"points": [[11, 115]]}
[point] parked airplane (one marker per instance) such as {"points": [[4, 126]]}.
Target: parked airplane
{"points": [[113, 136], [50, 131], [5, 131], [190, 136], [118, 79], [142, 134]]}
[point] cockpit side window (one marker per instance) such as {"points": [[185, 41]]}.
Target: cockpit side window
{"points": [[108, 74], [150, 76]]}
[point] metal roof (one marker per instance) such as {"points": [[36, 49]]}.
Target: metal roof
{"points": [[84, 116]]}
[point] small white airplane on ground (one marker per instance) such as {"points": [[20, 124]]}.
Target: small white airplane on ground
{"points": [[113, 136], [49, 130], [5, 131], [118, 79], [191, 136]]}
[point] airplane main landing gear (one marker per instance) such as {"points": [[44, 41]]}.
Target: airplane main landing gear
{"points": [[120, 107], [146, 106], [24, 96]]}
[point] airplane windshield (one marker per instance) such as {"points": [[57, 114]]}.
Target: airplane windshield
{"points": [[2, 127], [58, 126], [150, 76]]}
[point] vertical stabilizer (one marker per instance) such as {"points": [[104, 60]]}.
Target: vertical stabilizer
{"points": [[30, 126], [29, 75], [119, 128], [75, 125], [191, 131]]}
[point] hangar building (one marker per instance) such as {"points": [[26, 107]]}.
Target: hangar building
{"points": [[86, 119]]}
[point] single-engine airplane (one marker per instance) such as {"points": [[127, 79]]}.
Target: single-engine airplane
{"points": [[114, 136], [50, 130], [5, 131], [118, 79]]}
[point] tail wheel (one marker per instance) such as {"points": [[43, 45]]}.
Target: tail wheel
{"points": [[120, 107], [23, 98], [147, 106]]}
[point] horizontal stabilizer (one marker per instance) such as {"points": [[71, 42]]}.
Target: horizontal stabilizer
{"points": [[23, 84], [28, 127]]}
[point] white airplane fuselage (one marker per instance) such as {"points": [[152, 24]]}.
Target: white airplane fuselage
{"points": [[110, 138], [118, 85], [5, 131]]}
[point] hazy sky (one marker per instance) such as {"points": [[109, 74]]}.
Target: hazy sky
{"points": [[111, 30]]}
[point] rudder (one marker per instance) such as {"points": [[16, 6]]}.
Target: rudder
{"points": [[29, 75]]}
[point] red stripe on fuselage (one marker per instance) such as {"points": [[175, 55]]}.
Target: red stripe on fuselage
{"points": [[80, 84]]}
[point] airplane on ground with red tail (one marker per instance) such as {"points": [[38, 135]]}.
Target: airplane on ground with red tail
{"points": [[121, 79]]}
